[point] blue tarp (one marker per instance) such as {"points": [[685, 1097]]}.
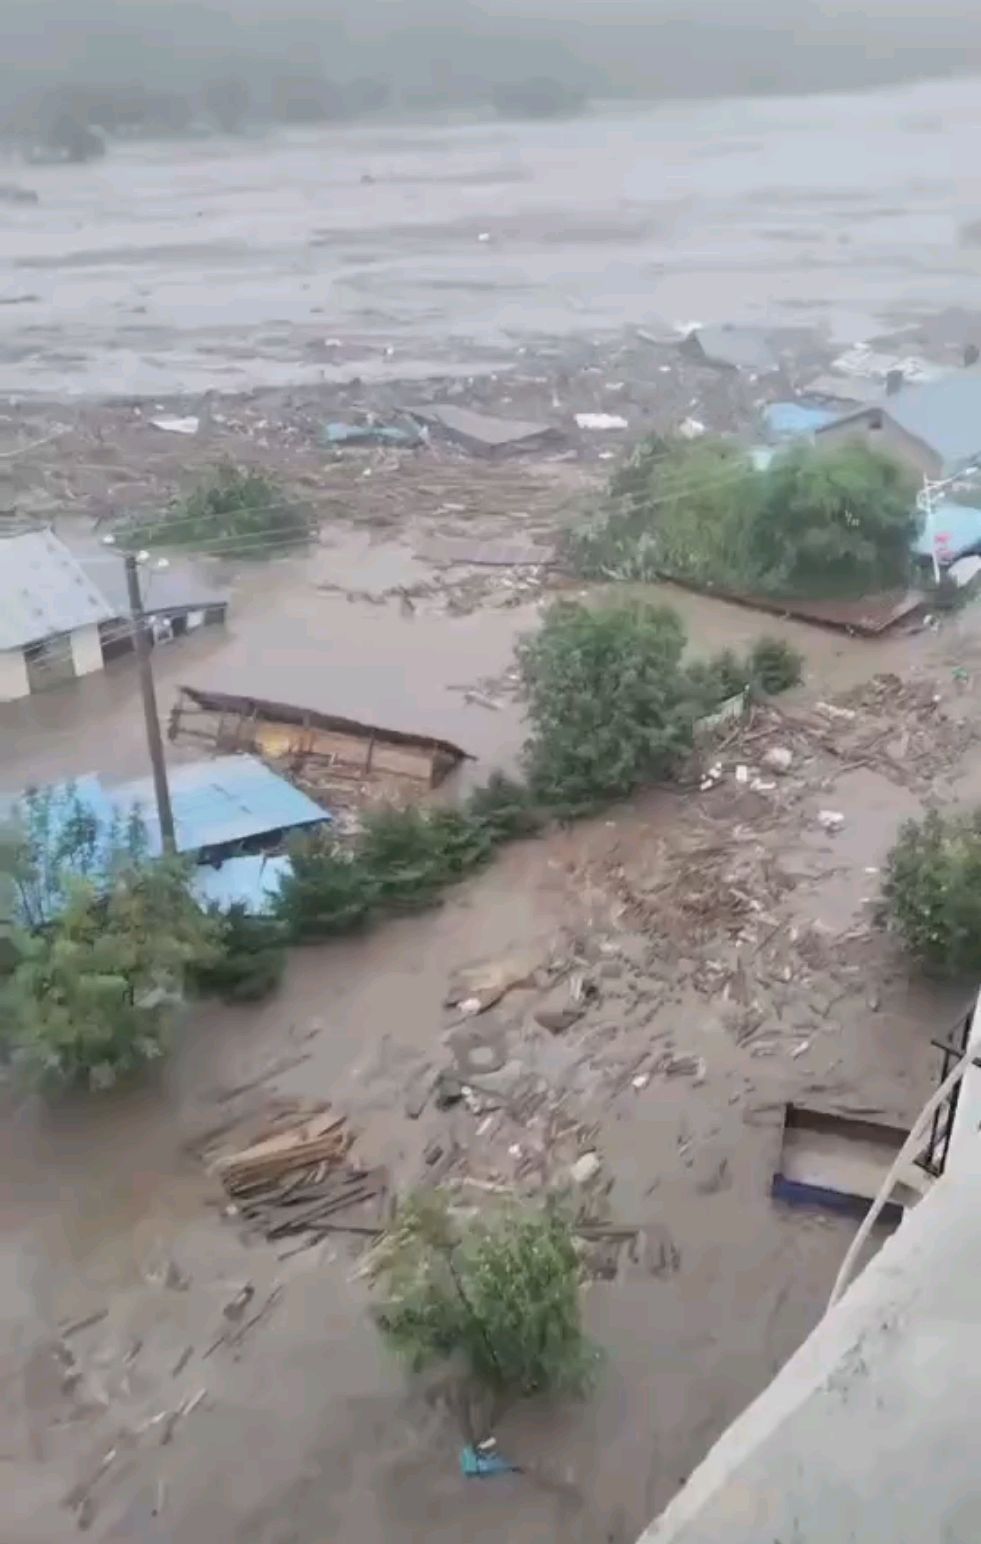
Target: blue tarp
{"points": [[794, 420], [955, 529]]}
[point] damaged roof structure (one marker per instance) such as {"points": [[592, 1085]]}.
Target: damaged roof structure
{"points": [[732, 348]]}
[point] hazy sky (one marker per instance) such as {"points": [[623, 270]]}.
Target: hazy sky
{"points": [[631, 45]]}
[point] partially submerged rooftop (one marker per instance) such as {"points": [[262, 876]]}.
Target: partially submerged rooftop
{"points": [[944, 416], [44, 591]]}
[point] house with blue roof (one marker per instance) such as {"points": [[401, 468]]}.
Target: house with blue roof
{"points": [[231, 814], [934, 428]]}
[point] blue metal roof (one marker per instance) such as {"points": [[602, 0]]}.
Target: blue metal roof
{"points": [[954, 530], [250, 880], [216, 803], [791, 420]]}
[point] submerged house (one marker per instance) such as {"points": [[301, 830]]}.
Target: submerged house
{"points": [[933, 428], [232, 815], [65, 613], [50, 616]]}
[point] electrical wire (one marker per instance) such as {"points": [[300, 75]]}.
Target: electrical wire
{"points": [[942, 1092], [161, 527]]}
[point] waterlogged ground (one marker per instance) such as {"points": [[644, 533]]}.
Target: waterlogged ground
{"points": [[725, 927], [226, 265], [306, 1431]]}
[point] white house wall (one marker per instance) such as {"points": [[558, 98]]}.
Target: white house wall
{"points": [[13, 675], [86, 650]]}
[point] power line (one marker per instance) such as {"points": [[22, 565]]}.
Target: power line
{"points": [[160, 527]]}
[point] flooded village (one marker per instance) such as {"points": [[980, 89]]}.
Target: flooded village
{"points": [[621, 1007]]}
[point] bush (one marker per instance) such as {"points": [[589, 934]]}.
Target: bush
{"points": [[241, 513], [501, 1294], [608, 702], [678, 508], [774, 666], [833, 523], [505, 809], [402, 861], [249, 957], [412, 855], [327, 891], [932, 891], [816, 522], [93, 992]]}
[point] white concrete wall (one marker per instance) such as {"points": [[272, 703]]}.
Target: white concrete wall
{"points": [[86, 650], [866, 1433], [13, 675], [964, 1152]]}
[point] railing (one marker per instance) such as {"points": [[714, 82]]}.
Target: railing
{"points": [[933, 1158]]}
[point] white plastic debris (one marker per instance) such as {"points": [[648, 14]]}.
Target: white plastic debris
{"points": [[831, 711], [601, 421], [585, 1168], [742, 774], [778, 759], [470, 1006], [484, 236], [691, 429], [830, 820], [641, 1080], [172, 425], [762, 785]]}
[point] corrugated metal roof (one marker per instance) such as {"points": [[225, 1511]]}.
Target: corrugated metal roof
{"points": [[215, 803], [43, 591], [943, 415], [181, 586], [250, 881]]}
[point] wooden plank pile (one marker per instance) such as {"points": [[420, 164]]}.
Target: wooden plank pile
{"points": [[295, 1177]]}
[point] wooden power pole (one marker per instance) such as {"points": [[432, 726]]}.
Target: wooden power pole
{"points": [[154, 740]]}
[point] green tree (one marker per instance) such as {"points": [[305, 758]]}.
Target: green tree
{"points": [[327, 890], [497, 1294], [244, 513], [62, 839], [94, 989], [833, 523], [932, 891], [609, 703], [676, 507], [248, 960]]}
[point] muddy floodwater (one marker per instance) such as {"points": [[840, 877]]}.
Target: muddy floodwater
{"points": [[726, 933], [327, 632], [230, 264]]}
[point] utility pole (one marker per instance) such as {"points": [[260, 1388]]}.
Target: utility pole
{"points": [[154, 740]]}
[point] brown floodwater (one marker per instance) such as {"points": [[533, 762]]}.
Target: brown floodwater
{"points": [[102, 1197]]}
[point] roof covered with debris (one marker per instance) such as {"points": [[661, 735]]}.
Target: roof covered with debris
{"points": [[43, 591], [943, 415]]}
